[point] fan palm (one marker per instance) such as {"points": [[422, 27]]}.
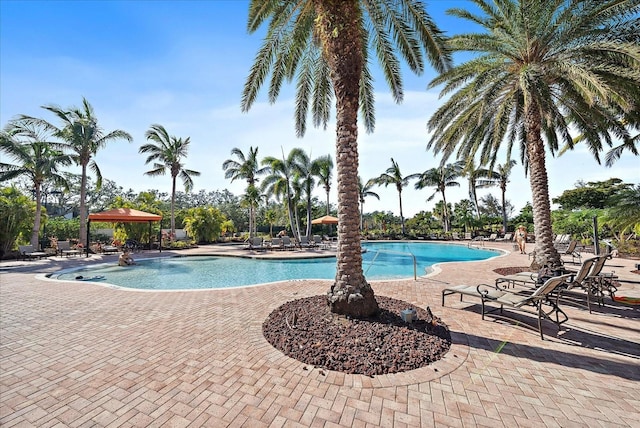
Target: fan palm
{"points": [[83, 137], [364, 190], [441, 177], [394, 176], [541, 67], [245, 168], [36, 158], [325, 45], [167, 152]]}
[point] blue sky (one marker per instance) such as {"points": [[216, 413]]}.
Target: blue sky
{"points": [[183, 64]]}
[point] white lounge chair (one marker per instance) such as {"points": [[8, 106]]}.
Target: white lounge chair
{"points": [[64, 249], [29, 252]]}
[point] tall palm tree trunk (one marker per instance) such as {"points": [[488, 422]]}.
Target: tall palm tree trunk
{"points": [[504, 208], [35, 233], [308, 215], [545, 252], [327, 202], [83, 204], [336, 26], [173, 207], [445, 211], [401, 215]]}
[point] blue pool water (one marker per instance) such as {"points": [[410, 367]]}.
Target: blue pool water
{"points": [[382, 260]]}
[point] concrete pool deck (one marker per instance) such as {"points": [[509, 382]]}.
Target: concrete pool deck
{"points": [[79, 354]]}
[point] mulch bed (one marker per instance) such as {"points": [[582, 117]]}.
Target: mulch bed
{"points": [[512, 270], [306, 330]]}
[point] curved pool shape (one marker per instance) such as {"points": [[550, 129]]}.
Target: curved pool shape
{"points": [[382, 260]]}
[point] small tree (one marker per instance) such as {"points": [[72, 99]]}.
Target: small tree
{"points": [[16, 217], [204, 224]]}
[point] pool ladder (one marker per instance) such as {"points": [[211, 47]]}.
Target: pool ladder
{"points": [[415, 263]]}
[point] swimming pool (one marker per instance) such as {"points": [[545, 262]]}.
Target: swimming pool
{"points": [[382, 260]]}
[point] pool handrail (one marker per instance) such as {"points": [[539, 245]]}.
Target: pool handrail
{"points": [[415, 263]]}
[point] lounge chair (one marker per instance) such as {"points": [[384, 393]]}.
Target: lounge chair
{"points": [[598, 283], [64, 249], [287, 244], [571, 251], [317, 241], [276, 244], [562, 241], [506, 237], [28, 252], [546, 294], [580, 278], [256, 244], [107, 249], [491, 237], [304, 242], [467, 236]]}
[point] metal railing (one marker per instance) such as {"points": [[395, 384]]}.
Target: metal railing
{"points": [[415, 263]]}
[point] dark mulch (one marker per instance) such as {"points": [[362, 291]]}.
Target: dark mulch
{"points": [[306, 330], [512, 270]]}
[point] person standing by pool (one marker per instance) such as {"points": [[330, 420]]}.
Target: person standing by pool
{"points": [[521, 238]]}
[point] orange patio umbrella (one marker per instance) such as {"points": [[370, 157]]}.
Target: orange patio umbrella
{"points": [[326, 219]]}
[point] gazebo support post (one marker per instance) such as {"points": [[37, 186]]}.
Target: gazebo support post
{"points": [[86, 247]]}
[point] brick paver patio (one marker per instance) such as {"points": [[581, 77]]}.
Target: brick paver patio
{"points": [[78, 354]]}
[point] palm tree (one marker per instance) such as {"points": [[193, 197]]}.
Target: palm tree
{"points": [[541, 68], [84, 138], [167, 152], [279, 183], [478, 178], [441, 177], [323, 169], [252, 198], [624, 214], [37, 159], [325, 45], [245, 168], [500, 176], [304, 172], [364, 190], [393, 175]]}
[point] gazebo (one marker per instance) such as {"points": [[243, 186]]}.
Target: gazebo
{"points": [[121, 215]]}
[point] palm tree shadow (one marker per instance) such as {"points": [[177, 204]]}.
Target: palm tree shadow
{"points": [[571, 335]]}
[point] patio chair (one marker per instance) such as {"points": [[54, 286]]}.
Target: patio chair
{"points": [[276, 244], [571, 251], [578, 280], [546, 294], [317, 241], [64, 249], [491, 237], [29, 252], [257, 244], [598, 283], [506, 237], [287, 244], [467, 236], [562, 241], [304, 242]]}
